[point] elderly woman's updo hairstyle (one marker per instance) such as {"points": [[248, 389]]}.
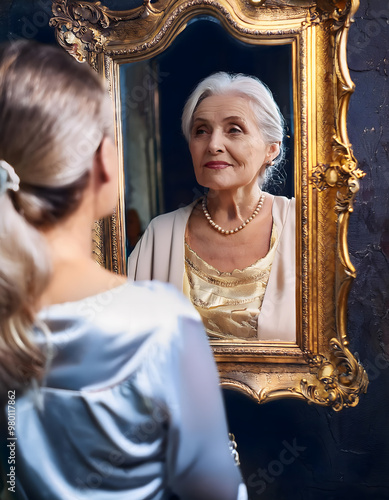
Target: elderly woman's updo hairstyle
{"points": [[269, 119], [54, 113]]}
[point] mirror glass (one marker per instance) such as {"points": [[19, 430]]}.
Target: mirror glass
{"points": [[158, 169], [152, 60], [152, 56]]}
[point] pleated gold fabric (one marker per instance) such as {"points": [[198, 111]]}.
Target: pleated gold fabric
{"points": [[229, 303]]}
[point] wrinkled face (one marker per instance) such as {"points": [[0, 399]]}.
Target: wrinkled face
{"points": [[227, 148]]}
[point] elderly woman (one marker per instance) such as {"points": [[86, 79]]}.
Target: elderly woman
{"points": [[233, 251]]}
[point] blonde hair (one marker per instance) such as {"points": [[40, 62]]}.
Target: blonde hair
{"points": [[54, 113], [267, 113]]}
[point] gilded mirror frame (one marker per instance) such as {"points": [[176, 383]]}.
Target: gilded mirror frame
{"points": [[319, 367]]}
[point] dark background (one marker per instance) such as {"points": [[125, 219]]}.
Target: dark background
{"points": [[289, 449]]}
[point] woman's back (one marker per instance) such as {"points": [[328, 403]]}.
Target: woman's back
{"points": [[130, 407]]}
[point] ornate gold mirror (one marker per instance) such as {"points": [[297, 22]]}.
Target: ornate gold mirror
{"points": [[154, 54]]}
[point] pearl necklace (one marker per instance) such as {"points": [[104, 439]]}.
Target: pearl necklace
{"points": [[226, 232]]}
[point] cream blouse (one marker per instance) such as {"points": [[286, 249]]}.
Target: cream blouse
{"points": [[228, 302]]}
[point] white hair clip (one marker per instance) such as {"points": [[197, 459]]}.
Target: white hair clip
{"points": [[8, 178]]}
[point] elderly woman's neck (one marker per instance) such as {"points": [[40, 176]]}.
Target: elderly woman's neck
{"points": [[235, 204]]}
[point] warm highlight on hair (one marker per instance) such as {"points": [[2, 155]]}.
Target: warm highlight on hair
{"points": [[268, 116], [54, 113]]}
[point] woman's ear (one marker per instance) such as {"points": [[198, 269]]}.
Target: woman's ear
{"points": [[105, 161], [274, 150], [105, 178]]}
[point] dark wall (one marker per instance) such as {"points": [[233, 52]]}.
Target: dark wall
{"points": [[290, 450]]}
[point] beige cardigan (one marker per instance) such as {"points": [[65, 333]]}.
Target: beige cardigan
{"points": [[159, 255]]}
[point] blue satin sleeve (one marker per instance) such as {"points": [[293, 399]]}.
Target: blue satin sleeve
{"points": [[199, 461]]}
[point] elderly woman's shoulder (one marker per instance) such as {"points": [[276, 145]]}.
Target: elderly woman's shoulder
{"points": [[284, 200], [283, 203], [284, 211], [167, 220]]}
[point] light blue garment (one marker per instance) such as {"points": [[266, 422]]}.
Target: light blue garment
{"points": [[130, 408]]}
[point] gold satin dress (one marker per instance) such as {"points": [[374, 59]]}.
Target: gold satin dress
{"points": [[228, 302]]}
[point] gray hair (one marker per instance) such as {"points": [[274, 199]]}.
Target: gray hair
{"points": [[269, 118]]}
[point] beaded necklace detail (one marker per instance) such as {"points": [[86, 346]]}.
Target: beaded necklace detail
{"points": [[227, 232]]}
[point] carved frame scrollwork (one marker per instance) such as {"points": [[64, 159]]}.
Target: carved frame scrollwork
{"points": [[319, 367]]}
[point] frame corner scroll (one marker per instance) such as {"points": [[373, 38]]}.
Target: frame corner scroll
{"points": [[82, 27], [339, 382]]}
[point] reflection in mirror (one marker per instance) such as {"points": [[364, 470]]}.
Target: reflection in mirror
{"points": [[247, 293], [158, 168], [303, 39]]}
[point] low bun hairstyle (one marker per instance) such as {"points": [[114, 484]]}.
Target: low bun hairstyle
{"points": [[54, 113]]}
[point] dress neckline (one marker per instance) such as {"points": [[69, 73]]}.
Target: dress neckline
{"points": [[273, 243]]}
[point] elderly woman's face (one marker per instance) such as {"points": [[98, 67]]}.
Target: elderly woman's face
{"points": [[226, 145]]}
